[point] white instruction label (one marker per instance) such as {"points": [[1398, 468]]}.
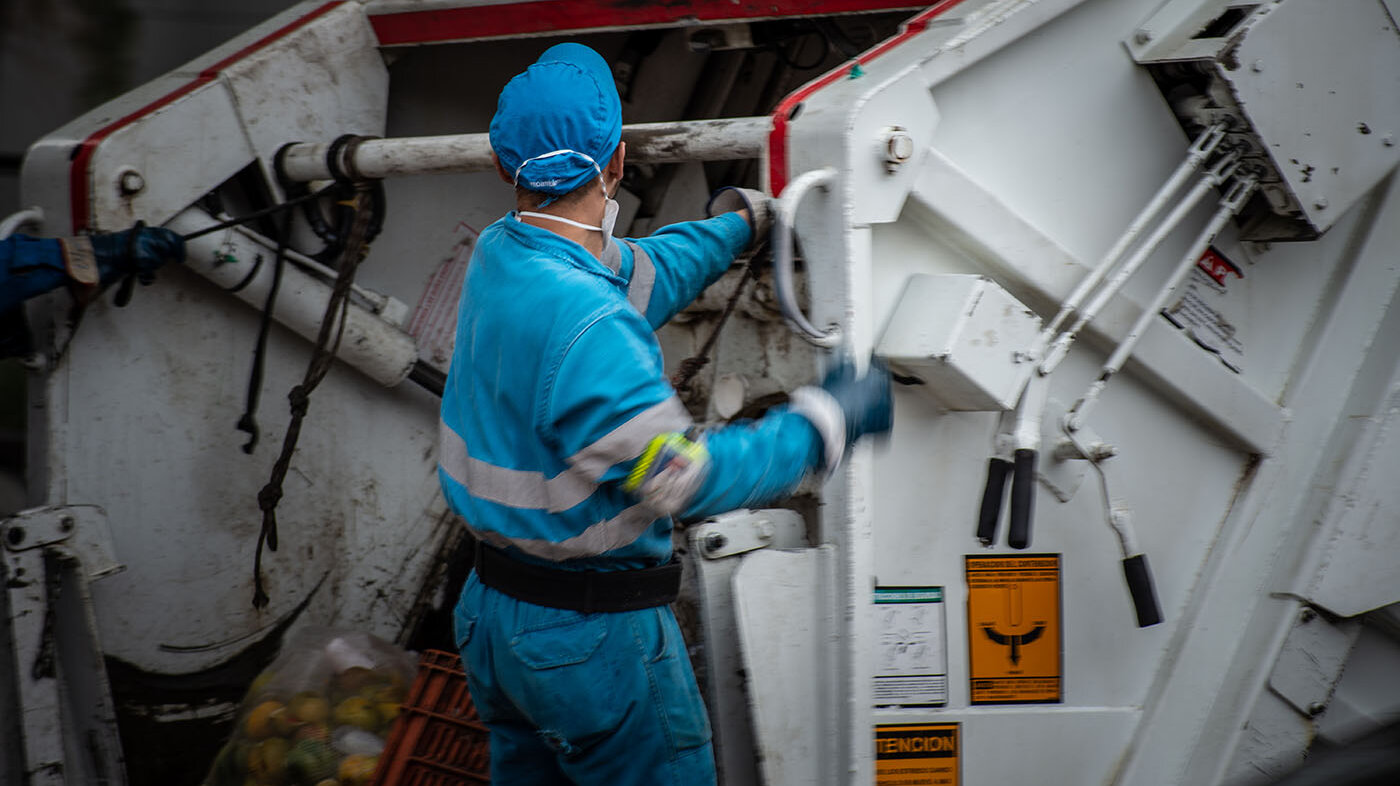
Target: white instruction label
{"points": [[911, 663], [1202, 310], [434, 321]]}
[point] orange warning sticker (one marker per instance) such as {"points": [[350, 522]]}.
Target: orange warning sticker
{"points": [[1013, 629], [917, 754]]}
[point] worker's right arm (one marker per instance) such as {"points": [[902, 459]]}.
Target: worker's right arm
{"points": [[608, 384]]}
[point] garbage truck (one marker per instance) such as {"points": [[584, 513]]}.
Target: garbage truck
{"points": [[1133, 265]]}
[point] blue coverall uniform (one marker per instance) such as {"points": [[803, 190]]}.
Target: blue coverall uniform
{"points": [[29, 266], [556, 387]]}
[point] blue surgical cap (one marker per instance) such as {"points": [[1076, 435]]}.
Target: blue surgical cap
{"points": [[565, 101]]}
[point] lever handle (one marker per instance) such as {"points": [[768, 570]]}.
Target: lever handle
{"points": [[1140, 586], [1022, 499], [997, 470]]}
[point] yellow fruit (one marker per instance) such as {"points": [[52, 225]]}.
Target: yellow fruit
{"points": [[357, 769], [383, 694], [388, 711], [352, 680], [267, 761], [283, 722], [259, 723], [310, 707], [260, 683], [356, 711]]}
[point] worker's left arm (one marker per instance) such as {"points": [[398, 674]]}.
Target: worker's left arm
{"points": [[31, 266], [677, 262]]}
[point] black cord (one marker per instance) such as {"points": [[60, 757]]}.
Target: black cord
{"points": [[248, 422], [257, 214], [692, 365], [337, 308]]}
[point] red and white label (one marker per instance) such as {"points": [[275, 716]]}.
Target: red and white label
{"points": [[1205, 309], [434, 321]]}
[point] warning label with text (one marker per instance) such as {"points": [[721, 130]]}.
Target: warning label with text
{"points": [[911, 662], [1013, 629], [917, 754]]}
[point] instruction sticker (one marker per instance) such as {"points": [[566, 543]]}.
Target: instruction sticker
{"points": [[1013, 629], [911, 666], [917, 754], [1203, 310]]}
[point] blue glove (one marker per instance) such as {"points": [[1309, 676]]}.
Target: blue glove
{"points": [[846, 407], [865, 401], [139, 251]]}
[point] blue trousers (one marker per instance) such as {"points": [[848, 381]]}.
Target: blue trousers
{"points": [[574, 698]]}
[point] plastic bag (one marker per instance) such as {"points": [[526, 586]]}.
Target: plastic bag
{"points": [[319, 715]]}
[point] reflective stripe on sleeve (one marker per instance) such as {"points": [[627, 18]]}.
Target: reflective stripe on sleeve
{"points": [[631, 438], [614, 533], [529, 490], [643, 278]]}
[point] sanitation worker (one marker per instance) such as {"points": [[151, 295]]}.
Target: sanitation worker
{"points": [[568, 453], [31, 266]]}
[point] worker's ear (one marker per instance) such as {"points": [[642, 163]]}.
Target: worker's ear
{"points": [[500, 170], [612, 173]]}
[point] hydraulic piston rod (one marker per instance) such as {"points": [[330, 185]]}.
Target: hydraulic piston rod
{"points": [[724, 139]]}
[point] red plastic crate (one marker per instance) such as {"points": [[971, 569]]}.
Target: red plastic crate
{"points": [[438, 739]]}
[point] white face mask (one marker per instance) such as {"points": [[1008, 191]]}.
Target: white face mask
{"points": [[610, 207]]}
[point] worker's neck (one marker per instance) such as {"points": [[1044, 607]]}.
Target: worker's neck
{"points": [[589, 210]]}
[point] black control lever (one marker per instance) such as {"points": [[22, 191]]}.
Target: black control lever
{"points": [[1022, 499], [997, 471]]}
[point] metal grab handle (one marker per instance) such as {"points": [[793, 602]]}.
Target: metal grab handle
{"points": [[32, 216], [785, 216]]}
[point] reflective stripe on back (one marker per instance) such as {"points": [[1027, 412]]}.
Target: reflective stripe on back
{"points": [[619, 531], [516, 488]]}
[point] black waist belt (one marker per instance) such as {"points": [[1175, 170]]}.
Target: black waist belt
{"points": [[578, 590]]}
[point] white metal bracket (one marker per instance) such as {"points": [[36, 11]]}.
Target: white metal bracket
{"points": [[1311, 660], [745, 530], [67, 723]]}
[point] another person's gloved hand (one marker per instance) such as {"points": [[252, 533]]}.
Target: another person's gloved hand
{"points": [[139, 251], [865, 400], [847, 406], [732, 198]]}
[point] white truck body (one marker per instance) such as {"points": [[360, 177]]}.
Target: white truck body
{"points": [[976, 164]]}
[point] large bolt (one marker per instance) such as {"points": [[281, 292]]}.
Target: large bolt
{"points": [[66, 523], [899, 147], [131, 182], [15, 535], [715, 541], [1141, 37]]}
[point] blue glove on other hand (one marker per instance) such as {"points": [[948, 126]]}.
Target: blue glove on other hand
{"points": [[865, 400], [140, 251], [847, 406]]}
